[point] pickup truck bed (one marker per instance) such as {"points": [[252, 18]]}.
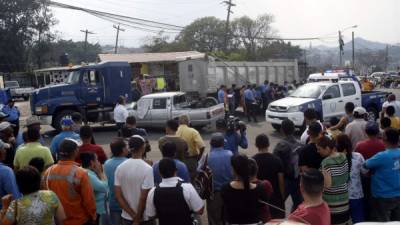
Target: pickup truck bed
{"points": [[372, 101]]}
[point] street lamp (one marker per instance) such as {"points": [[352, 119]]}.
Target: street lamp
{"points": [[341, 44]]}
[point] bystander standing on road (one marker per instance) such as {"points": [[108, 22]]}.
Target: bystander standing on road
{"points": [[66, 126], [182, 148], [310, 116], [308, 155], [8, 183], [356, 129], [7, 136], [13, 115], [346, 119], [129, 128], [233, 138], [195, 143], [385, 184], [119, 152], [31, 122], [120, 113], [250, 102], [86, 135]]}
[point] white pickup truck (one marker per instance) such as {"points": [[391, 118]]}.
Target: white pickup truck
{"points": [[154, 110], [18, 92], [327, 98]]}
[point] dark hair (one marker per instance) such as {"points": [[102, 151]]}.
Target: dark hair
{"points": [[220, 124], [32, 134], [86, 158], [120, 100], [117, 146], [38, 163], [262, 141], [357, 115], [28, 180], [266, 82], [131, 120], [390, 111], [333, 121], [167, 168], [385, 122], [373, 131], [391, 136], [310, 114], [25, 136], [76, 117], [67, 148], [253, 167], [240, 164], [168, 149], [135, 143], [312, 182], [325, 141], [173, 125], [86, 132], [287, 127], [314, 129], [349, 107], [343, 144], [391, 97]]}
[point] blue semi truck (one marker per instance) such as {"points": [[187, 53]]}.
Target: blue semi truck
{"points": [[91, 90]]}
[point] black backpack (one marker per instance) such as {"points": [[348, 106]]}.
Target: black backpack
{"points": [[290, 159], [203, 182]]}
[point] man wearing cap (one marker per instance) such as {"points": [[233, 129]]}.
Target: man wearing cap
{"points": [[8, 184], [356, 129], [13, 115], [67, 132], [195, 143], [31, 122], [72, 186], [219, 161], [32, 149], [7, 136]]}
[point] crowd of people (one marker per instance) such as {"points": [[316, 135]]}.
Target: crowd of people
{"points": [[334, 174], [253, 98]]}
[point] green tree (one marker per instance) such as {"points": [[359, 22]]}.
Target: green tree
{"points": [[22, 24]]}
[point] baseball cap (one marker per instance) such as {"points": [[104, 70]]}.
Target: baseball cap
{"points": [[66, 122], [68, 146], [360, 110], [4, 125], [32, 121]]}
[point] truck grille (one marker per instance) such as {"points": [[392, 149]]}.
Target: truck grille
{"points": [[274, 108]]}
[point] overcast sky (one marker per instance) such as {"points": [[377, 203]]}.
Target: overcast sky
{"points": [[377, 20]]}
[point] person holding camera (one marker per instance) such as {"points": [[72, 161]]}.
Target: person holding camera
{"points": [[234, 133]]}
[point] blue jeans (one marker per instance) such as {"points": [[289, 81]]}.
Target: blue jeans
{"points": [[115, 217], [357, 210], [292, 188]]}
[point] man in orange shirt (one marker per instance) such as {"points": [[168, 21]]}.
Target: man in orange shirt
{"points": [[72, 186]]}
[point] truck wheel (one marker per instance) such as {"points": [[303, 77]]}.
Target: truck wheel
{"points": [[56, 123], [209, 102], [372, 114], [277, 127]]}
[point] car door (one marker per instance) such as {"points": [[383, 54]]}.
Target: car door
{"points": [[160, 111], [350, 94], [92, 88], [332, 103]]}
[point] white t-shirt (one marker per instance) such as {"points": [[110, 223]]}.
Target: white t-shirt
{"points": [[120, 114], [395, 104], [192, 198], [133, 176], [355, 187]]}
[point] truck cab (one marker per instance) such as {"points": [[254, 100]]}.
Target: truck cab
{"points": [[91, 90], [327, 98]]}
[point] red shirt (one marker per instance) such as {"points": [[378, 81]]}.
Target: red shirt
{"points": [[370, 147], [316, 215], [92, 148], [265, 212]]}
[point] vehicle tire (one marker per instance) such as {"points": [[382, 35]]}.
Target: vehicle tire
{"points": [[277, 127], [56, 123], [373, 114], [26, 98], [210, 101]]}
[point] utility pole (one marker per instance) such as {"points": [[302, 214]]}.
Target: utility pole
{"points": [[305, 62], [86, 36], [340, 48], [387, 58], [352, 44], [227, 33], [116, 40]]}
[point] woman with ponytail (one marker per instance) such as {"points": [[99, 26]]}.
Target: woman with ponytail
{"points": [[355, 161], [242, 199], [336, 178]]}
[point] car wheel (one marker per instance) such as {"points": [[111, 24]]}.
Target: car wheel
{"points": [[372, 114], [277, 127]]}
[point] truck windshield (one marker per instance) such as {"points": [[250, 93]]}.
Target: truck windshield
{"points": [[11, 84], [73, 77], [308, 91]]}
